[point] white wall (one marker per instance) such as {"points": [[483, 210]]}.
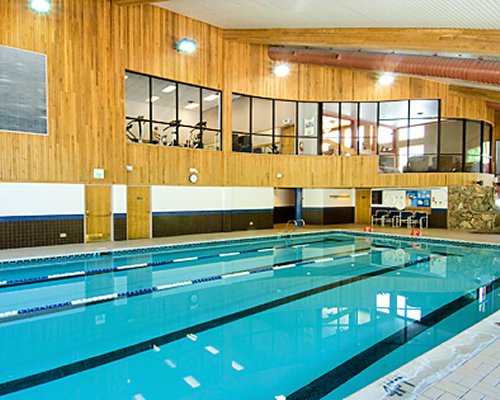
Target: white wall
{"points": [[119, 199], [284, 197], [206, 198], [251, 198], [27, 199], [316, 198]]}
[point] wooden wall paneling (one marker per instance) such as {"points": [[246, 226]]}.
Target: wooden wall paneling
{"points": [[79, 86], [248, 170], [210, 167]]}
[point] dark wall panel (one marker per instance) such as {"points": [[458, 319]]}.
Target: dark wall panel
{"points": [[119, 227], [40, 232], [281, 215], [185, 224]]}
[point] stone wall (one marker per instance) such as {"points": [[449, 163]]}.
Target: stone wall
{"points": [[471, 208]]}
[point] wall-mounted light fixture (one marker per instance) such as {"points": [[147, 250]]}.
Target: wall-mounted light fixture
{"points": [[186, 46], [281, 70], [40, 6], [386, 79], [193, 176]]}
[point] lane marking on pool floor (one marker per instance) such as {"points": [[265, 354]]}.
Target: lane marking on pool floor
{"points": [[105, 358], [99, 271], [342, 373], [64, 305]]}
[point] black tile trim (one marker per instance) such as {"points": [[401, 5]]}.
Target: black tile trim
{"points": [[339, 375], [94, 362]]}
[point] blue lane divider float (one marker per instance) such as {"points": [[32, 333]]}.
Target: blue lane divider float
{"points": [[131, 293], [83, 273]]}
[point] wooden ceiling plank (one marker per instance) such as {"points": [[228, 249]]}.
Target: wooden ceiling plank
{"points": [[134, 2], [466, 41]]}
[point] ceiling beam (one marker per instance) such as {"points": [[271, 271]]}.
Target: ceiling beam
{"points": [[492, 96], [134, 2], [467, 41]]}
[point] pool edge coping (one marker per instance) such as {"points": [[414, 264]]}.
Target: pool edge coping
{"points": [[145, 248]]}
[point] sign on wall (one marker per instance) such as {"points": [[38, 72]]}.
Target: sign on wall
{"points": [[418, 198], [23, 91]]}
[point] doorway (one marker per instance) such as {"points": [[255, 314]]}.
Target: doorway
{"points": [[284, 205], [97, 213], [138, 212], [363, 206]]}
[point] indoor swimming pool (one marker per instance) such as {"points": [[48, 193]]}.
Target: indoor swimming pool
{"points": [[306, 316]]}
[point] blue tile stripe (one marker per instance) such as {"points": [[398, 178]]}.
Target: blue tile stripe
{"points": [[102, 359], [209, 212], [61, 306], [60, 217], [119, 215]]}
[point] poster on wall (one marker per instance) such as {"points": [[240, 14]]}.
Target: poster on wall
{"points": [[309, 127], [418, 198], [23, 91]]}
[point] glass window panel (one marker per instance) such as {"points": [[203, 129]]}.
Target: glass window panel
{"points": [[263, 143], [211, 140], [308, 146], [241, 142], [189, 107], [165, 134], [394, 110], [262, 116], [451, 136], [349, 129], [331, 131], [189, 137], [424, 132], [450, 162], [285, 117], [472, 146], [241, 113], [487, 134], [367, 131], [211, 109], [308, 119], [138, 130], [164, 96], [424, 109], [284, 144], [137, 107]]}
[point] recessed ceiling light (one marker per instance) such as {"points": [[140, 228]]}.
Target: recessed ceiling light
{"points": [[281, 70], [152, 99], [186, 46], [169, 89], [386, 79], [41, 6], [126, 77], [211, 97], [191, 105]]}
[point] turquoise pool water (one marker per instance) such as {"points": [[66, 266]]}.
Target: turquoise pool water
{"points": [[304, 317]]}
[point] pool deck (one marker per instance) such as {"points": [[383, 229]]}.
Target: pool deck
{"points": [[465, 367]]}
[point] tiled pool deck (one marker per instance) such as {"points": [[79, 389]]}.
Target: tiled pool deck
{"points": [[465, 367]]}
